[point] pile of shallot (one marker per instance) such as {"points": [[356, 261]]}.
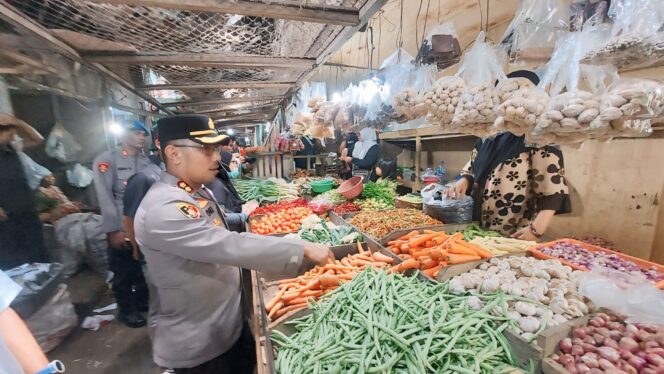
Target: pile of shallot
{"points": [[608, 345]]}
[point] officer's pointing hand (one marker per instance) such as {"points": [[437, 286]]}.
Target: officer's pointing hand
{"points": [[318, 253]]}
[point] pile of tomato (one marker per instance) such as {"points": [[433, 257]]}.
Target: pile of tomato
{"points": [[285, 221], [278, 207]]}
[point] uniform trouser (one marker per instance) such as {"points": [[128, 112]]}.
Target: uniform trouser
{"points": [[129, 288], [21, 241], [240, 359]]}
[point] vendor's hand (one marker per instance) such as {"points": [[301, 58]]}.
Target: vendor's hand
{"points": [[348, 159], [249, 207], [524, 234], [318, 253], [458, 190], [116, 239], [3, 215]]}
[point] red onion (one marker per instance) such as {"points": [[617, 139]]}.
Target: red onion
{"points": [[629, 344], [597, 322], [579, 332], [566, 345], [577, 341], [577, 350], [599, 339], [596, 371], [589, 339], [555, 357], [625, 354], [637, 362], [658, 351], [655, 360], [590, 360], [565, 359], [609, 353], [631, 329], [650, 344], [642, 335], [589, 347], [615, 335], [648, 370], [605, 364], [582, 368], [615, 326], [571, 368], [604, 316], [629, 369], [603, 331], [608, 342]]}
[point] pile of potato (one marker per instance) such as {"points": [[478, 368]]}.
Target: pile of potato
{"points": [[632, 98], [520, 112], [410, 104], [476, 105], [442, 100]]}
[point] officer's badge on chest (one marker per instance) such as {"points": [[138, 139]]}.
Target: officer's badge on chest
{"points": [[103, 167], [189, 210]]}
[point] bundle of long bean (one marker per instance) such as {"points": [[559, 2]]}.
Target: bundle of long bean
{"points": [[265, 190], [387, 323], [379, 225]]}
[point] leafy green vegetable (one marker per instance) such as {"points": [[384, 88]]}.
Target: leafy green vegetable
{"points": [[473, 231], [384, 190], [316, 230]]}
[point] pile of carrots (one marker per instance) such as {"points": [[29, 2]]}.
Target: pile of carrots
{"points": [[295, 293], [430, 251]]}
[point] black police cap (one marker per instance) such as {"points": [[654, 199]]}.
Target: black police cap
{"points": [[196, 127]]}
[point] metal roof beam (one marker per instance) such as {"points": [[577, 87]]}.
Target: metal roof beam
{"points": [[207, 59], [218, 85], [230, 100], [30, 28], [330, 15]]}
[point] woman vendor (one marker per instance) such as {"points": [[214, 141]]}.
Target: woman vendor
{"points": [[517, 188], [386, 168], [365, 152]]}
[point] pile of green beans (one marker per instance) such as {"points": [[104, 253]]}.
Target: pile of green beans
{"points": [[265, 190], [389, 323]]}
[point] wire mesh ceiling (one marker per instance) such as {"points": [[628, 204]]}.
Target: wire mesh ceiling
{"points": [[323, 3], [183, 74]]}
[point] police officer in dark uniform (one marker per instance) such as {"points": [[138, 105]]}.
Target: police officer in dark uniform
{"points": [[194, 260], [112, 170]]}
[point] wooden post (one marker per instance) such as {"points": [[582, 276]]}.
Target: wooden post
{"points": [[418, 163]]}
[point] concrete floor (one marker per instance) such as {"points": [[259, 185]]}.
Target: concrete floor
{"points": [[112, 349]]}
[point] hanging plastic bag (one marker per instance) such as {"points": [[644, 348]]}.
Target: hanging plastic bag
{"points": [[34, 172], [410, 102], [533, 32], [637, 38], [480, 68], [631, 99], [442, 100], [61, 145], [79, 176], [398, 57], [440, 47], [630, 295]]}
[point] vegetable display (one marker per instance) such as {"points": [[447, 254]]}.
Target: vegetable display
{"points": [[296, 292], [374, 324], [374, 204], [281, 222], [278, 207], [410, 198], [347, 207], [548, 282], [326, 201], [473, 231], [384, 191], [265, 190], [609, 345], [502, 246], [379, 225], [316, 230], [579, 256], [431, 251]]}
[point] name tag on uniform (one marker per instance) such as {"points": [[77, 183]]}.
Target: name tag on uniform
{"points": [[209, 211], [124, 168]]}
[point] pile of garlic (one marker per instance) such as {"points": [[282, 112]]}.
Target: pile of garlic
{"points": [[548, 282], [410, 104], [632, 98], [442, 99]]}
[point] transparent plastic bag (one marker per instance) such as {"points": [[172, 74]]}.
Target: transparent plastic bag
{"points": [[521, 111], [61, 145], [630, 295], [398, 57], [533, 32], [442, 99], [631, 99], [409, 102], [54, 321], [480, 68], [444, 209], [79, 176], [636, 38]]}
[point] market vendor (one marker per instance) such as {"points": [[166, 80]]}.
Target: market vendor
{"points": [[365, 153], [194, 260], [517, 188], [112, 170], [386, 168]]}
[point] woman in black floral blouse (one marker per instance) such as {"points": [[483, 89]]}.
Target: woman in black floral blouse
{"points": [[517, 188]]}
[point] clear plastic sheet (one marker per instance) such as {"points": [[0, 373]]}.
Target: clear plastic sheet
{"points": [[61, 145], [631, 99], [409, 102], [636, 38], [447, 210], [533, 32]]}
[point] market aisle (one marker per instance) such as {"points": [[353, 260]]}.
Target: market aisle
{"points": [[114, 348]]}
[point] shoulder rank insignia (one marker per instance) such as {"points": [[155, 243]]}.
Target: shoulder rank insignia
{"points": [[202, 203], [185, 186], [124, 153], [103, 167], [216, 222], [189, 210]]}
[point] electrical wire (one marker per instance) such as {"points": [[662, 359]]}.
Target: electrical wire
{"points": [[426, 18], [400, 37], [417, 22]]}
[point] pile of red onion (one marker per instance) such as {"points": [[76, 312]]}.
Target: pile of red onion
{"points": [[607, 345], [597, 242], [578, 255]]}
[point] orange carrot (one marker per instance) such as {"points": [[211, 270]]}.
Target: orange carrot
{"points": [[422, 239], [275, 309], [460, 259], [440, 239], [419, 254], [428, 231], [481, 251], [287, 309], [405, 256], [359, 247], [409, 264], [275, 299], [379, 257], [432, 271], [410, 235], [461, 250], [428, 264], [394, 250], [428, 244]]}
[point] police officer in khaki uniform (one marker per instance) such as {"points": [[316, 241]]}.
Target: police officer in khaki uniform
{"points": [[194, 261], [112, 170]]}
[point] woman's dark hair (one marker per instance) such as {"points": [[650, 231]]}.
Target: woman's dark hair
{"points": [[388, 167]]}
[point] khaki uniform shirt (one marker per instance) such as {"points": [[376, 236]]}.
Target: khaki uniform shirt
{"points": [[194, 262], [112, 169]]}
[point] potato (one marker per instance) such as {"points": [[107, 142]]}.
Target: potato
{"points": [[572, 110], [588, 115]]}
